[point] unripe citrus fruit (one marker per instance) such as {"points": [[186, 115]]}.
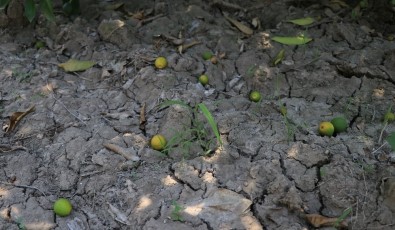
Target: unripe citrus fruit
{"points": [[255, 96], [389, 117], [326, 129], [158, 142], [62, 207], [207, 55], [160, 62], [340, 124], [203, 79]]}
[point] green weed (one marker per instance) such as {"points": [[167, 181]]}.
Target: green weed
{"points": [[197, 132], [343, 216], [175, 214], [20, 224]]}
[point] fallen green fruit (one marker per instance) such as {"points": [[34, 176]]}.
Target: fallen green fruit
{"points": [[340, 124]]}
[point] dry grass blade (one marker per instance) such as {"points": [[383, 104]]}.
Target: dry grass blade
{"points": [[243, 28], [15, 118]]}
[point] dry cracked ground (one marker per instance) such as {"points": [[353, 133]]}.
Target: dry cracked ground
{"points": [[86, 139]]}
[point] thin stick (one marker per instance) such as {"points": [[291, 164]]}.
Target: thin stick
{"points": [[23, 186], [64, 106], [382, 131]]}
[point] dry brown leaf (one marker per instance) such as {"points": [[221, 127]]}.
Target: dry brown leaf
{"points": [[182, 48], [128, 153], [318, 221], [243, 28], [15, 118], [143, 120]]}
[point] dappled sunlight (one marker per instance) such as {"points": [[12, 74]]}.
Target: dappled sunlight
{"points": [[195, 209], [168, 181], [379, 93], [4, 193], [47, 89], [264, 42], [293, 151], [144, 202], [217, 153], [4, 214]]}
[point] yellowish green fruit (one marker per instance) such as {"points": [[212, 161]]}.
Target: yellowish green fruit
{"points": [[255, 96], [39, 44], [62, 207], [207, 55], [160, 62], [389, 117], [340, 124], [158, 142], [283, 110], [203, 79], [326, 129]]}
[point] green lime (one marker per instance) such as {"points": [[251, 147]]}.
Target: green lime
{"points": [[158, 142], [255, 96], [326, 129], [39, 44], [389, 117], [160, 62], [62, 207], [340, 124], [203, 79], [206, 55]]}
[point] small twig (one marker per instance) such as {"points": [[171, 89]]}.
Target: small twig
{"points": [[382, 131], [7, 148], [147, 20], [64, 106], [379, 148], [22, 186]]}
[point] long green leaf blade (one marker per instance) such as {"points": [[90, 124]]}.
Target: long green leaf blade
{"points": [[391, 140], [4, 4], [302, 21], [30, 10], [173, 102], [210, 120], [47, 9], [299, 40]]}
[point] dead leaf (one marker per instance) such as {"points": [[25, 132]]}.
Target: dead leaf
{"points": [[143, 120], [243, 28], [73, 65], [128, 153], [15, 118], [318, 221], [182, 48], [118, 215], [114, 6]]}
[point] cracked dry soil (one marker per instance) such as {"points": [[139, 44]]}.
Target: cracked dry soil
{"points": [[270, 173]]}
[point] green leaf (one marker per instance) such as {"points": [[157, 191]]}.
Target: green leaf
{"points": [[73, 65], [173, 102], [4, 4], [210, 120], [299, 40], [302, 21], [47, 9], [343, 216], [279, 57], [30, 10], [391, 140]]}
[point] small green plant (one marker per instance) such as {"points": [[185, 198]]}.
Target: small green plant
{"points": [[20, 224], [22, 76], [175, 214], [46, 7], [343, 216], [196, 133]]}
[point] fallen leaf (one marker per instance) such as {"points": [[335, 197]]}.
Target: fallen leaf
{"points": [[243, 28], [143, 120], [114, 6], [302, 21], [391, 140], [340, 3], [318, 221], [299, 40], [279, 57], [73, 65], [15, 118], [128, 153]]}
